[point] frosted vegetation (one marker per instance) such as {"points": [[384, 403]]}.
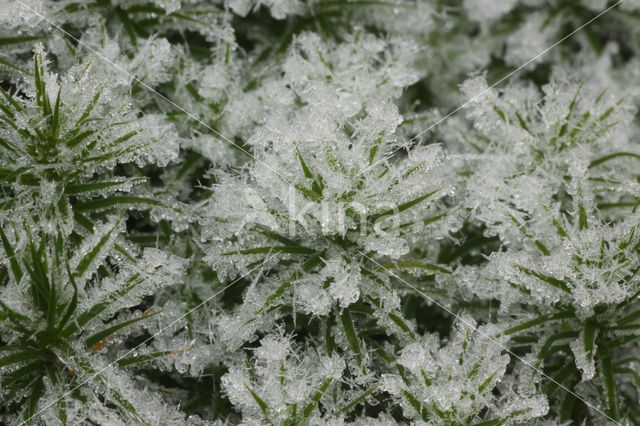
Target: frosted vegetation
{"points": [[262, 212]]}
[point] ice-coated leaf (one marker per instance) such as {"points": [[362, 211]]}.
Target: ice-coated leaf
{"points": [[95, 248], [350, 333], [11, 255], [316, 398], [98, 337]]}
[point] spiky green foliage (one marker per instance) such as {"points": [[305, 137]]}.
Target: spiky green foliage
{"points": [[61, 145], [56, 321]]}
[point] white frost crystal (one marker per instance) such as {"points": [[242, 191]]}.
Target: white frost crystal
{"points": [[487, 10], [454, 382], [334, 194], [584, 360]]}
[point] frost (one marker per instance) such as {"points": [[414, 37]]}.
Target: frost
{"points": [[414, 357], [344, 282], [324, 192], [525, 408], [96, 247], [454, 381], [308, 298], [93, 131], [584, 360], [483, 10], [392, 247], [319, 212], [266, 387], [529, 41], [153, 62], [173, 268], [168, 5], [14, 15], [279, 8], [273, 349]]}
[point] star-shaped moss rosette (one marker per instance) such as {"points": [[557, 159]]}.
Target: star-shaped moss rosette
{"points": [[61, 142]]}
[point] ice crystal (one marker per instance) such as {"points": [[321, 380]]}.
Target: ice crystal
{"points": [[63, 142], [453, 383]]}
